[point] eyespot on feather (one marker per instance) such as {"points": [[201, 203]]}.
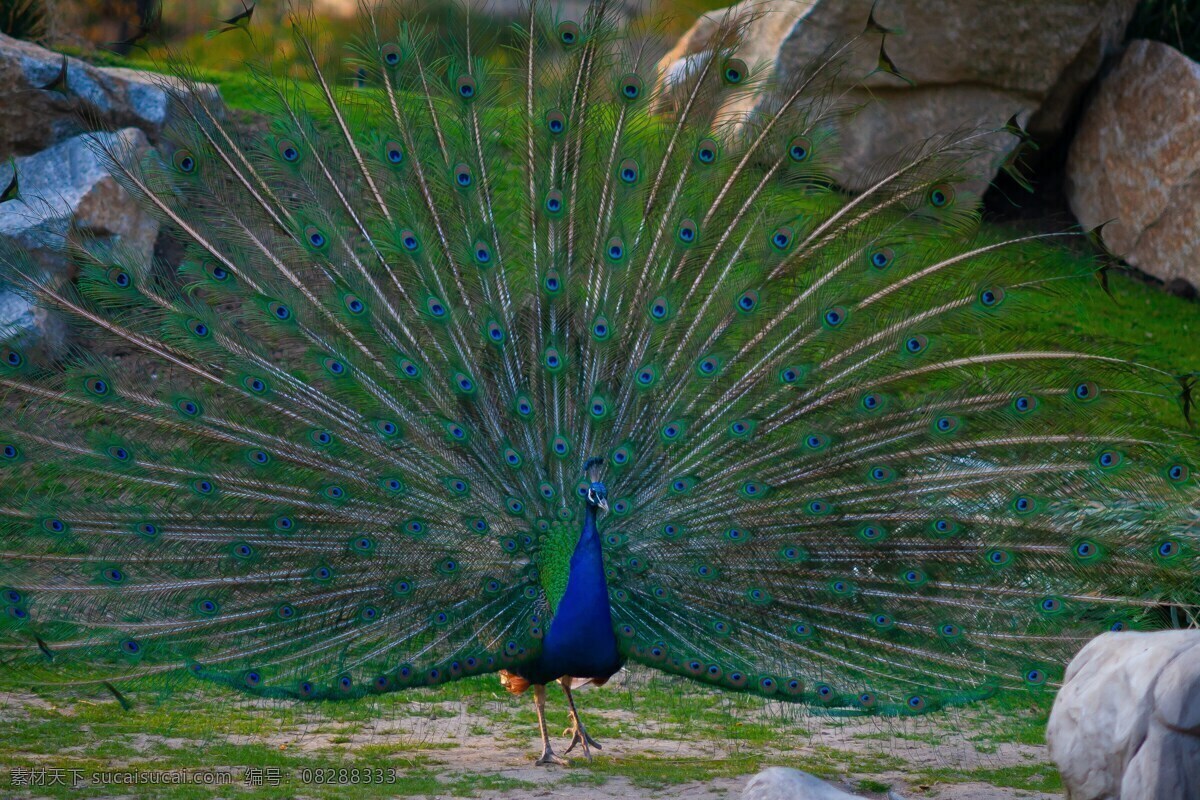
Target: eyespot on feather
{"points": [[734, 71], [630, 87], [393, 152], [556, 122], [466, 87], [568, 34], [184, 161], [287, 150], [799, 149], [707, 151], [941, 195]]}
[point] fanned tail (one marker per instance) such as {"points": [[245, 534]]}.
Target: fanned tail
{"points": [[321, 457]]}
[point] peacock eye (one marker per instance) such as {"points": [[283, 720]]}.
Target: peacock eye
{"points": [[184, 161], [798, 149], [941, 195], [687, 232], [314, 237], [991, 297], [735, 71], [568, 33], [393, 152], [615, 250], [628, 171], [631, 87], [462, 175]]}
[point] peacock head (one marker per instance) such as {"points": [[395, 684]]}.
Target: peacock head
{"points": [[597, 492], [597, 496]]}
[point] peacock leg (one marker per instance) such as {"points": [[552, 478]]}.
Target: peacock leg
{"points": [[579, 734], [539, 703]]}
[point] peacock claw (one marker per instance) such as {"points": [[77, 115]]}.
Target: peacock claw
{"points": [[579, 736], [548, 757]]}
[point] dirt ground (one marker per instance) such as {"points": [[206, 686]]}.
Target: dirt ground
{"points": [[660, 740]]}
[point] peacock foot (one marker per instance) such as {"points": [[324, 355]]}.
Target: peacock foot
{"points": [[579, 736], [548, 757]]}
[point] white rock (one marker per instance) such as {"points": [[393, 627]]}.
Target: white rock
{"points": [[1136, 161], [783, 783], [1126, 724]]}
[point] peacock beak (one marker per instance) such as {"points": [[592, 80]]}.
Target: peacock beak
{"points": [[603, 504]]}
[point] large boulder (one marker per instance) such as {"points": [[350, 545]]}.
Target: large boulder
{"points": [[33, 118], [1135, 162], [66, 190], [971, 65], [1126, 724]]}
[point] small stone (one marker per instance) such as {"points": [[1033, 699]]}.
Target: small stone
{"points": [[784, 783]]}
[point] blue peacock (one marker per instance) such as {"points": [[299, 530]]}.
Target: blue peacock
{"points": [[529, 366]]}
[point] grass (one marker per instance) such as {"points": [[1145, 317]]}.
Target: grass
{"points": [[23, 19], [1176, 22]]}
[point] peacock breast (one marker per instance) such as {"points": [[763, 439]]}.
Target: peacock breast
{"points": [[579, 640]]}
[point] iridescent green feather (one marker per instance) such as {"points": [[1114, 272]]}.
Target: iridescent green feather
{"points": [[555, 548]]}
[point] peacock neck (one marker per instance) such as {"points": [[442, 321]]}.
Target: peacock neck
{"points": [[586, 584], [589, 535], [587, 564]]}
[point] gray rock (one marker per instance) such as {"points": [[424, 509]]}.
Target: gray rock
{"points": [[69, 182], [783, 783], [66, 190], [972, 65], [1126, 724], [1136, 161], [30, 327], [32, 118]]}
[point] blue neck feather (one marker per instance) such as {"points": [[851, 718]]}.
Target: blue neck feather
{"points": [[580, 641]]}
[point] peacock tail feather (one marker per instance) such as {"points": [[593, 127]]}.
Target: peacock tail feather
{"points": [[338, 450]]}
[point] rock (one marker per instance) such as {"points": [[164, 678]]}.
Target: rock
{"points": [[970, 67], [69, 181], [1136, 161], [1126, 724], [782, 783], [67, 186], [30, 327], [32, 118]]}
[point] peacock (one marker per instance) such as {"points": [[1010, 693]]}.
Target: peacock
{"points": [[536, 364]]}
